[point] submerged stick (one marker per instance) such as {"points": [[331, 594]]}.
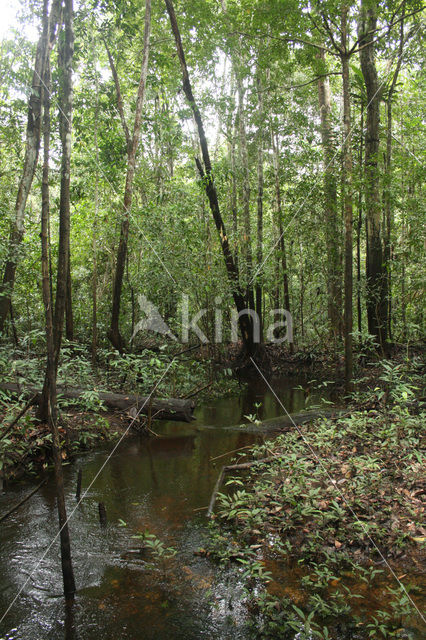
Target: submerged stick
{"points": [[21, 502], [102, 514], [228, 453], [232, 467], [79, 481]]}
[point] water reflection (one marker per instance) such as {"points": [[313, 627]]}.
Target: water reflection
{"points": [[157, 485]]}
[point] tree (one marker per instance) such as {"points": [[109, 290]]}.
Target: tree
{"points": [[52, 348], [206, 174], [330, 204], [132, 143], [32, 149], [376, 269]]}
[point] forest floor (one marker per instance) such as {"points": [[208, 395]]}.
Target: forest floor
{"points": [[342, 501]]}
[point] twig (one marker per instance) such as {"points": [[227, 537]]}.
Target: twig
{"points": [[231, 467], [19, 416], [21, 502], [222, 455], [194, 392]]}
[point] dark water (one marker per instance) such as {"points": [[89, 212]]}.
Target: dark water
{"points": [[157, 484]]}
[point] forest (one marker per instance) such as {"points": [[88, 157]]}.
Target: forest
{"points": [[212, 319]]}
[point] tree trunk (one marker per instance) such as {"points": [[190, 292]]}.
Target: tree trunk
{"points": [[376, 272], [302, 293], [69, 324], [233, 186], [206, 174], [387, 199], [260, 181], [66, 561], [65, 57], [359, 226], [347, 200], [330, 202], [279, 214], [132, 145], [179, 409], [246, 265], [66, 51], [95, 228], [32, 148]]}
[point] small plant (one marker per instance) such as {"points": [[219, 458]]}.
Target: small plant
{"points": [[159, 552]]}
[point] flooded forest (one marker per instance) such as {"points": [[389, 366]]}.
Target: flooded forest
{"points": [[212, 320]]}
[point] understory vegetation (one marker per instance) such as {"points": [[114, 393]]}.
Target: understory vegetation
{"points": [[324, 528], [84, 421]]}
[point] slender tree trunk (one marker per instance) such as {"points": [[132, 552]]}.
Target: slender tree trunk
{"points": [[359, 226], [206, 174], [347, 200], [330, 202], [65, 57], [95, 230], [69, 319], [246, 245], [66, 51], [260, 181], [376, 272], [279, 213], [32, 148], [302, 293], [233, 195], [66, 560], [387, 199], [132, 145]]}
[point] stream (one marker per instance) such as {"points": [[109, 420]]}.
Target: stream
{"points": [[161, 485]]}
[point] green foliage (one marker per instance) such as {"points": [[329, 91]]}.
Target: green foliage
{"points": [[330, 512]]}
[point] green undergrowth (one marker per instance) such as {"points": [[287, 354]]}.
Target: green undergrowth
{"points": [[315, 527], [173, 372], [28, 448], [84, 423]]}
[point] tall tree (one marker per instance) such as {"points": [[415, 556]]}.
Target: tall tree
{"points": [[50, 386], [66, 52], [279, 217], [32, 149], [65, 60], [260, 188], [387, 198], [206, 174], [132, 143], [376, 269], [347, 197], [333, 236]]}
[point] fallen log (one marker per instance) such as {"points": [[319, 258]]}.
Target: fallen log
{"points": [[281, 423], [159, 408]]}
